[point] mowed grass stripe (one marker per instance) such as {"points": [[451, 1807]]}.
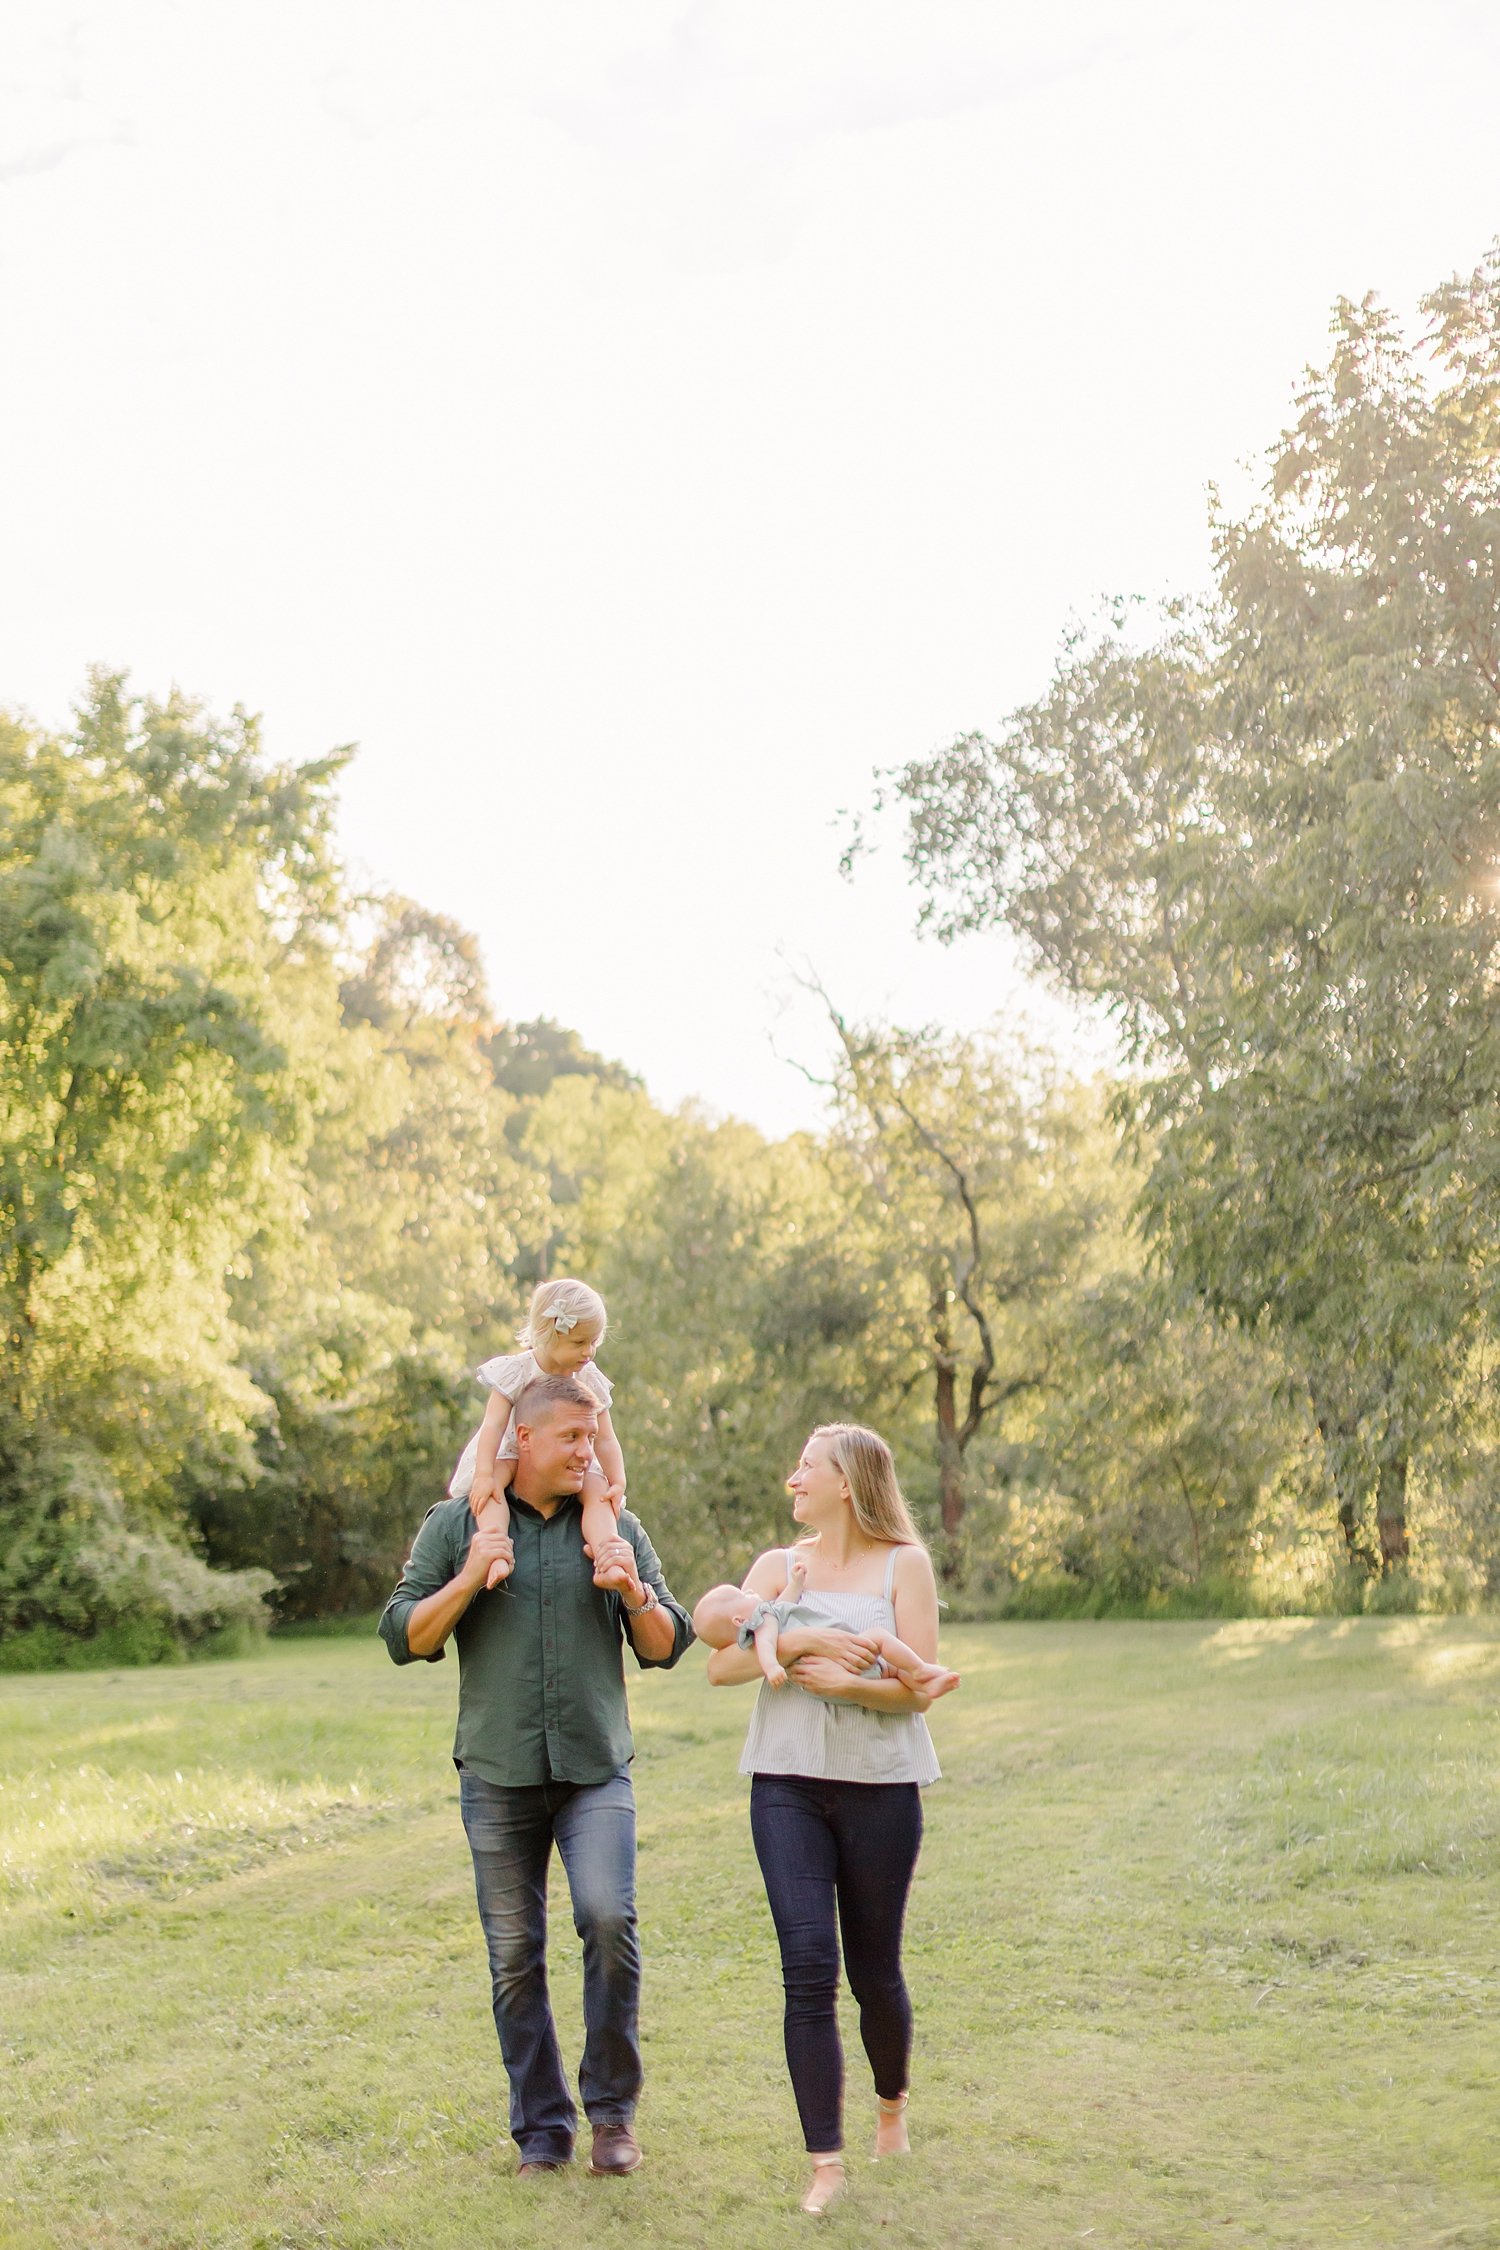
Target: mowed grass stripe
{"points": [[1205, 1947]]}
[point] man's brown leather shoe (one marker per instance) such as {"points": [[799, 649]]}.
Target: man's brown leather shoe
{"points": [[539, 2165], [616, 2151]]}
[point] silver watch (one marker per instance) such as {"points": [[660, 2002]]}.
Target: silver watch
{"points": [[651, 1602]]}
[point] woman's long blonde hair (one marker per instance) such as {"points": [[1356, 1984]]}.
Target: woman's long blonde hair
{"points": [[864, 1461]]}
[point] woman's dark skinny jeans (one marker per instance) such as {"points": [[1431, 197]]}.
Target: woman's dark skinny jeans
{"points": [[838, 1856]]}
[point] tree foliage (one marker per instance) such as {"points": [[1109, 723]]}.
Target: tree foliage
{"points": [[1268, 841]]}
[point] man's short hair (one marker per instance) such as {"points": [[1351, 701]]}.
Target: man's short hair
{"points": [[544, 1392]]}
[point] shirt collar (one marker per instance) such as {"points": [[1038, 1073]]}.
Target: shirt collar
{"points": [[568, 1499]]}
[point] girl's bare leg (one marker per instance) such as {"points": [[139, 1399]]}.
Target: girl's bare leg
{"points": [[495, 1516], [600, 1523]]}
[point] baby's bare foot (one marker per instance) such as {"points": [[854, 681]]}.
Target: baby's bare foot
{"points": [[930, 1679]]}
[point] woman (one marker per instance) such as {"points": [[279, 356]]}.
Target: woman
{"points": [[837, 1757]]}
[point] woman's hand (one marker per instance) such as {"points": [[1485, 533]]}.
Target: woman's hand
{"points": [[822, 1675], [852, 1652]]}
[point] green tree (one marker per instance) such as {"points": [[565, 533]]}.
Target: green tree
{"points": [[161, 909], [1170, 1434], [980, 1188], [1268, 843]]}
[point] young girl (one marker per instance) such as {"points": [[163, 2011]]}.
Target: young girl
{"points": [[564, 1329]]}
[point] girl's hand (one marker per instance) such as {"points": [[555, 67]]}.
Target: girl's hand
{"points": [[484, 1489], [614, 1495]]}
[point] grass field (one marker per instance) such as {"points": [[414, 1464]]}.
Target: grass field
{"points": [[1205, 1948]]}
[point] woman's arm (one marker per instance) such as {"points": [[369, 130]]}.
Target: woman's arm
{"points": [[610, 1458], [847, 1653], [914, 1597], [915, 1600], [821, 1676]]}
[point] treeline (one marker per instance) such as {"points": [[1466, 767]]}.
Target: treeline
{"points": [[274, 1175]]}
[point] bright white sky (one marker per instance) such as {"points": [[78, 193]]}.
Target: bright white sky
{"points": [[633, 422]]}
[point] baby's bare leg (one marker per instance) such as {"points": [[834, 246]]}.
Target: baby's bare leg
{"points": [[767, 1633], [912, 1670], [717, 1618], [600, 1523]]}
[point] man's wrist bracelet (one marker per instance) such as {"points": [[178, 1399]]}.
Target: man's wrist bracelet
{"points": [[651, 1602]]}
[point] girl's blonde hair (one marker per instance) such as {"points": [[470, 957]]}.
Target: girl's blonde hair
{"points": [[573, 1300], [864, 1461]]}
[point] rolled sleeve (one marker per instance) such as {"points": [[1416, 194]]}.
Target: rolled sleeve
{"points": [[430, 1565], [649, 1570]]}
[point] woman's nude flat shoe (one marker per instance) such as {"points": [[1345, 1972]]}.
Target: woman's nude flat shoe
{"points": [[826, 2188], [890, 2110]]}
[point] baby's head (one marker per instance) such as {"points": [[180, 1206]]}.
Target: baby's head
{"points": [[565, 1325]]}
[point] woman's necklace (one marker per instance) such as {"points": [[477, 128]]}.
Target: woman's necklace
{"points": [[855, 1555]]}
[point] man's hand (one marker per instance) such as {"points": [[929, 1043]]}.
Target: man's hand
{"points": [[486, 1548], [433, 1619], [614, 1567]]}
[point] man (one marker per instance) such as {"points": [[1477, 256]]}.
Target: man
{"points": [[543, 1751]]}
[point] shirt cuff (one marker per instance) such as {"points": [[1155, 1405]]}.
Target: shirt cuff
{"points": [[393, 1625]]}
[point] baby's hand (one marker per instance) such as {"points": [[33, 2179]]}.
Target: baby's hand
{"points": [[776, 1674], [614, 1494], [485, 1489], [796, 1581]]}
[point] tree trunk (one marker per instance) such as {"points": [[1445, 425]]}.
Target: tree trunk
{"points": [[1358, 1551], [950, 1460], [1390, 1514], [945, 1401]]}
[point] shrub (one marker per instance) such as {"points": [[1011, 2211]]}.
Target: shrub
{"points": [[79, 1585]]}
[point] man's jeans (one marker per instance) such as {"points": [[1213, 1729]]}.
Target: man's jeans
{"points": [[511, 1833]]}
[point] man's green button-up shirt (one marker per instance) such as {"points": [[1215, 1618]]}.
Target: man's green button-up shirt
{"points": [[541, 1680]]}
